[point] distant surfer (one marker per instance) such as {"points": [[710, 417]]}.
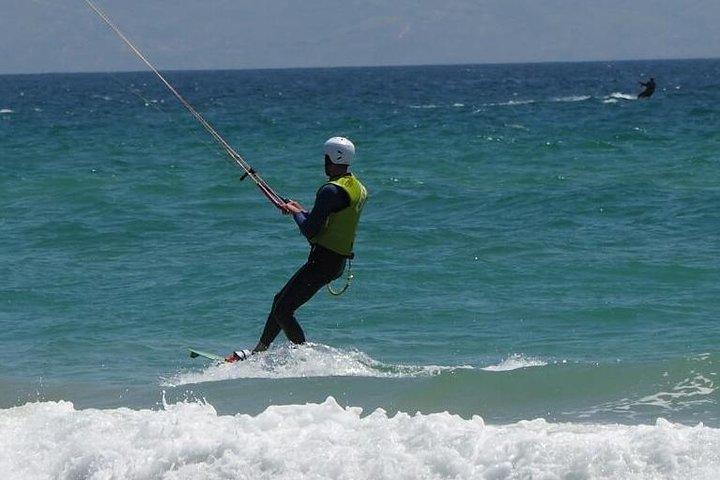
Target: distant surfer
{"points": [[649, 88], [330, 228]]}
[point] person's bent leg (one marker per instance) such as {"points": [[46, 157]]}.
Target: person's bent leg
{"points": [[279, 318], [322, 267], [301, 289]]}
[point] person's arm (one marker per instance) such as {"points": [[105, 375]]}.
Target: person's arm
{"points": [[329, 199]]}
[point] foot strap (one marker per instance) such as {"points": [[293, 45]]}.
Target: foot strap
{"points": [[238, 356]]}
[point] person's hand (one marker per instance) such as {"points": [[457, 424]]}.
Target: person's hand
{"points": [[292, 207]]}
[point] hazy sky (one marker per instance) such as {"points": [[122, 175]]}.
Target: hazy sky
{"points": [[66, 36]]}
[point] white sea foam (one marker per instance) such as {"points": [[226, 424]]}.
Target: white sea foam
{"points": [[572, 98], [695, 390], [308, 360], [429, 106], [510, 103], [617, 96], [190, 440], [6, 110], [569, 98], [515, 361]]}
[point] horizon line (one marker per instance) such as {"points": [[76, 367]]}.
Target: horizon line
{"points": [[379, 66]]}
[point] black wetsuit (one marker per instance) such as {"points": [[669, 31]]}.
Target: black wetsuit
{"points": [[321, 268], [649, 89]]}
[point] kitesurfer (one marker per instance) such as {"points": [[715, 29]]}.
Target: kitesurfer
{"points": [[330, 228]]}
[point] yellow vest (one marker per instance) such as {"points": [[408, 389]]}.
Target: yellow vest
{"points": [[338, 233]]}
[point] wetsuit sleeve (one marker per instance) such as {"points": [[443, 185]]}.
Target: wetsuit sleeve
{"points": [[330, 198]]}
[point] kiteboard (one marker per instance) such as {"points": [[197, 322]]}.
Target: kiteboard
{"points": [[210, 356], [240, 355]]}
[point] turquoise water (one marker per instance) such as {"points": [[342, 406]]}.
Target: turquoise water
{"points": [[536, 284]]}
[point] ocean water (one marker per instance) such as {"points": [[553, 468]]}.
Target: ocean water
{"points": [[536, 285]]}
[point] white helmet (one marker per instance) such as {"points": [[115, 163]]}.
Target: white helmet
{"points": [[340, 150]]}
